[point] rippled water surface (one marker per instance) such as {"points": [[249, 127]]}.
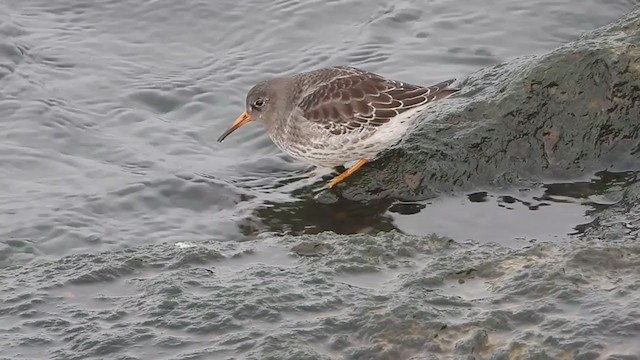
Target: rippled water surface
{"points": [[110, 110]]}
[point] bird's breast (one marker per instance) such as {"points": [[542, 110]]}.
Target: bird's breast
{"points": [[316, 145]]}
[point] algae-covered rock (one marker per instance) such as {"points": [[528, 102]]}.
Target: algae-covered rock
{"points": [[574, 110]]}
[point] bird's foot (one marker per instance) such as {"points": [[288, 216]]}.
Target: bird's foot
{"points": [[347, 173]]}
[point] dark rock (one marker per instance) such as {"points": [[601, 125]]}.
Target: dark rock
{"points": [[573, 111]]}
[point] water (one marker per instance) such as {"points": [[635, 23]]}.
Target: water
{"points": [[110, 111]]}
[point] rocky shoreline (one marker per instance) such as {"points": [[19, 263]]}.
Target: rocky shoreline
{"points": [[559, 115]]}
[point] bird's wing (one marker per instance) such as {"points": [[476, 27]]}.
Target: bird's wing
{"points": [[350, 99]]}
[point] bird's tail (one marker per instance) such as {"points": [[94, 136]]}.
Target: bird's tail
{"points": [[442, 90]]}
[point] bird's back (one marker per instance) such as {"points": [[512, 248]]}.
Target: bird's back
{"points": [[342, 114]]}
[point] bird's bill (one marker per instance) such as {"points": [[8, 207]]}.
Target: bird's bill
{"points": [[241, 120]]}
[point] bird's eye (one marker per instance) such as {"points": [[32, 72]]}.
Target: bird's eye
{"points": [[259, 103]]}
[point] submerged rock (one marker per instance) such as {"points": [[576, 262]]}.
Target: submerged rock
{"points": [[560, 115]]}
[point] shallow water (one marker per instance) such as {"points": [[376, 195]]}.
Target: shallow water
{"points": [[110, 111]]}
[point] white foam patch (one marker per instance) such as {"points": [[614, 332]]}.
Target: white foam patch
{"points": [[185, 245]]}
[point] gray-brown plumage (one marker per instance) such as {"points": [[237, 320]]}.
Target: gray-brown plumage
{"points": [[332, 116]]}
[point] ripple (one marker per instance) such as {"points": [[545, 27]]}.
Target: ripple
{"points": [[110, 111], [10, 56]]}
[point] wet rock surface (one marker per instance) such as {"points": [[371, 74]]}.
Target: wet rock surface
{"points": [[327, 296], [557, 115]]}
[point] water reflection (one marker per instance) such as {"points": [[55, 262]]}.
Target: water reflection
{"points": [[313, 213], [512, 217]]}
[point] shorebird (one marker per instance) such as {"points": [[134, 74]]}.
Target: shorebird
{"points": [[332, 116]]}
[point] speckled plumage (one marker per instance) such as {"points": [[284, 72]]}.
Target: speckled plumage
{"points": [[332, 116]]}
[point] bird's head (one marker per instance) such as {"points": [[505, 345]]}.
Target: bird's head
{"points": [[258, 107]]}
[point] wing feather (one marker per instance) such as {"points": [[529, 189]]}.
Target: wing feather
{"points": [[351, 99]]}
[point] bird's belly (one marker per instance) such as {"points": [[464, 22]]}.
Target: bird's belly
{"points": [[341, 149], [327, 156], [329, 150]]}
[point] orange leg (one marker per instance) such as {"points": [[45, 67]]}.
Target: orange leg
{"points": [[347, 173]]}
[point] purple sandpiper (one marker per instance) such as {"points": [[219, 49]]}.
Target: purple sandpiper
{"points": [[332, 116]]}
